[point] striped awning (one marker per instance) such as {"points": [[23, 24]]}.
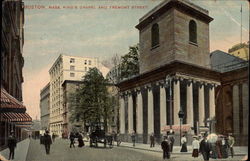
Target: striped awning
{"points": [[8, 101], [15, 117]]}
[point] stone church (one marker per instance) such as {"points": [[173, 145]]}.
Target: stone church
{"points": [[175, 75]]}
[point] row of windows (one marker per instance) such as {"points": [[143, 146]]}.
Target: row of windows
{"points": [[155, 36], [72, 67], [72, 60], [73, 74]]}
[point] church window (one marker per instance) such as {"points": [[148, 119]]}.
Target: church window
{"points": [[192, 32], [155, 35]]}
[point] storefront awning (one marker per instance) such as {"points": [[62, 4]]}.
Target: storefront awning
{"points": [[8, 101], [15, 117]]}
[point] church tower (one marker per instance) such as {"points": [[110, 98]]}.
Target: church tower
{"points": [[175, 30]]}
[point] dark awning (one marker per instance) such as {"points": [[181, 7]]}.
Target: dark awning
{"points": [[8, 101], [15, 117]]}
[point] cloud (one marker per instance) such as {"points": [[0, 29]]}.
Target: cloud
{"points": [[34, 81]]}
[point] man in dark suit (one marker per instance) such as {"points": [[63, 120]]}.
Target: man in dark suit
{"points": [[47, 141], [166, 148], [12, 145], [205, 148]]}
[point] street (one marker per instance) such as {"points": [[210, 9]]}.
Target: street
{"points": [[60, 151]]}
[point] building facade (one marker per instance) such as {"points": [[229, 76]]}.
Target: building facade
{"points": [[240, 50], [232, 107], [175, 74], [65, 68], [69, 88], [13, 116], [44, 106], [12, 37]]}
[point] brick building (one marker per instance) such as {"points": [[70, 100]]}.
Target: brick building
{"points": [[13, 114]]}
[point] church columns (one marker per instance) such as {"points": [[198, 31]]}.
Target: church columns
{"points": [[163, 107], [211, 102], [176, 102], [150, 111], [245, 104], [201, 105], [122, 115], [130, 114], [139, 113], [236, 111], [190, 110]]}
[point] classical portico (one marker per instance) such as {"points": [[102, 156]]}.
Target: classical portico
{"points": [[151, 103]]}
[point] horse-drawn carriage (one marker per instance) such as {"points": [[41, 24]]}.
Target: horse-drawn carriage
{"points": [[98, 135]]}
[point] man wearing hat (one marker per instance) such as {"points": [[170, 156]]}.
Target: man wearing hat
{"points": [[166, 148], [12, 145], [47, 141], [205, 148], [231, 143]]}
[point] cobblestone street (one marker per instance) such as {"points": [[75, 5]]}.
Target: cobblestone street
{"points": [[60, 151]]}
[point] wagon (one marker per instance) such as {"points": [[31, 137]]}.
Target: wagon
{"points": [[98, 135]]}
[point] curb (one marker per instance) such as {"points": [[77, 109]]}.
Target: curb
{"points": [[178, 153]]}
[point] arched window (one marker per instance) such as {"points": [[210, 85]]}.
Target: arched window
{"points": [[192, 31], [155, 35]]}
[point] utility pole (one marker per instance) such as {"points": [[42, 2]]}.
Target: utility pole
{"points": [[241, 24]]}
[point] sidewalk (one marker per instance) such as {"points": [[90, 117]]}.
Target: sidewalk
{"points": [[238, 150], [20, 151]]}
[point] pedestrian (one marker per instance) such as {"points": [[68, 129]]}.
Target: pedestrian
{"points": [[231, 142], [195, 146], [219, 146], [42, 139], [172, 139], [133, 138], [183, 143], [12, 145], [80, 141], [53, 137], [72, 139], [224, 149], [205, 148], [166, 148], [118, 139], [152, 140], [47, 141]]}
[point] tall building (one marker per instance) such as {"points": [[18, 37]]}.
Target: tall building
{"points": [[65, 68], [44, 106], [240, 50], [13, 114]]}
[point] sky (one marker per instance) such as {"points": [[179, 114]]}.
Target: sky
{"points": [[98, 28]]}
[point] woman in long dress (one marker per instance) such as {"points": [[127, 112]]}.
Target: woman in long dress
{"points": [[80, 140], [183, 144], [195, 146]]}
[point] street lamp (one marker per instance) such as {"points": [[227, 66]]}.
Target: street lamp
{"points": [[181, 115]]}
